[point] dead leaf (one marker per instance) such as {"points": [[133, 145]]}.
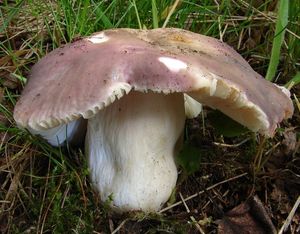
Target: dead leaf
{"points": [[289, 141], [248, 217]]}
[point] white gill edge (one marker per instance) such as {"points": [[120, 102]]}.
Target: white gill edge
{"points": [[216, 86]]}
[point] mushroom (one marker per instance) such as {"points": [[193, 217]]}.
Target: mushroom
{"points": [[129, 85]]}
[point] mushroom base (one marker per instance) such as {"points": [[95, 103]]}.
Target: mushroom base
{"points": [[131, 146]]}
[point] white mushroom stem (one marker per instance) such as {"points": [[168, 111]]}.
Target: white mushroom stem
{"points": [[131, 146]]}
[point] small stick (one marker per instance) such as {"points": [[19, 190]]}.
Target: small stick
{"points": [[119, 227], [185, 205], [232, 146], [288, 220], [199, 193], [191, 217]]}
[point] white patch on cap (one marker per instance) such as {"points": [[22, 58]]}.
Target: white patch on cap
{"points": [[172, 64], [98, 38]]}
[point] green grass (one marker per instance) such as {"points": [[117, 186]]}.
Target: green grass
{"points": [[281, 24], [45, 189]]}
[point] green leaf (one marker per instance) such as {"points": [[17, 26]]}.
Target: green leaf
{"points": [[189, 158]]}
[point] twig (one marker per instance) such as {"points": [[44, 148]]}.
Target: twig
{"points": [[232, 146], [288, 220], [199, 193], [119, 227], [191, 217], [183, 201]]}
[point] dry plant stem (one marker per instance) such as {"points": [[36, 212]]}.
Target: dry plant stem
{"points": [[272, 149], [48, 208], [111, 225], [219, 20], [43, 201], [224, 31], [290, 217], [201, 192], [290, 86], [66, 192], [171, 13], [82, 189], [30, 178], [191, 217], [203, 123], [13, 188], [2, 142], [248, 6], [268, 155], [297, 101], [240, 39], [221, 32], [15, 180], [258, 157], [232, 146], [119, 227]]}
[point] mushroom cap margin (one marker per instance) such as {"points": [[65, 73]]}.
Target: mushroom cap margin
{"points": [[81, 78]]}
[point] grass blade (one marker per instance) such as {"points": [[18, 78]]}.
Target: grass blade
{"points": [[13, 11], [170, 13], [154, 14], [137, 14], [281, 23], [294, 81]]}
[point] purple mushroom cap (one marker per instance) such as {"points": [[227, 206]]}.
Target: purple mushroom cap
{"points": [[132, 87], [81, 78]]}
